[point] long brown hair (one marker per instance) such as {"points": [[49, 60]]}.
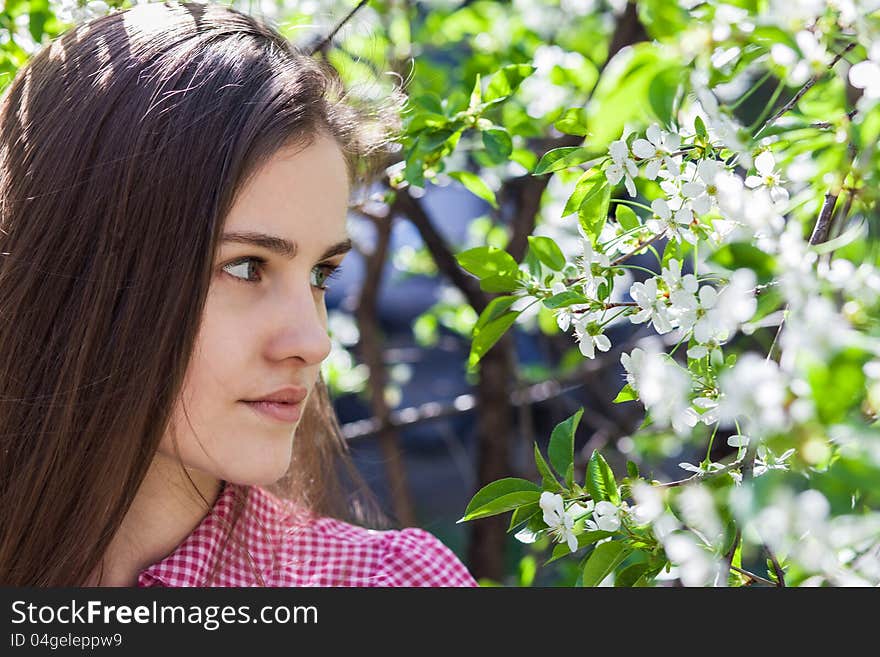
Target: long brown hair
{"points": [[122, 145]]}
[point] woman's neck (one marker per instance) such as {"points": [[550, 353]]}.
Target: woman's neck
{"points": [[165, 511]]}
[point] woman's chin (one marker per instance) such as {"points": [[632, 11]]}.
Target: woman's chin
{"points": [[264, 474]]}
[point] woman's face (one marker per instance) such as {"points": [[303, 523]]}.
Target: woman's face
{"points": [[265, 322]]}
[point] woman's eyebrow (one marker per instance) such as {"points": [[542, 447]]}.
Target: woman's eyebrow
{"points": [[282, 246]]}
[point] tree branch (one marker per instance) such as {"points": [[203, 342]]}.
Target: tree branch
{"points": [[777, 569], [823, 223], [440, 251], [752, 576]]}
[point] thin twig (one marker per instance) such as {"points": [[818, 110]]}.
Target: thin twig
{"points": [[823, 223], [809, 85], [326, 41], [780, 574], [639, 247], [752, 576], [825, 125]]}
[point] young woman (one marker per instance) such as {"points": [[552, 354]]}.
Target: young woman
{"points": [[174, 183]]}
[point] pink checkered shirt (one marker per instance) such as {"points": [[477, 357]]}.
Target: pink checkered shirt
{"points": [[290, 547]]}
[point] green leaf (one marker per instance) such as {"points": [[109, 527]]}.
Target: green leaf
{"points": [[430, 102], [737, 255], [500, 283], [662, 91], [593, 212], [523, 514], [432, 140], [565, 298], [602, 562], [414, 172], [648, 576], [498, 144], [500, 496], [549, 481], [700, 129], [561, 158], [623, 94], [628, 219], [495, 308], [485, 261], [627, 577], [626, 394], [475, 185], [505, 82], [485, 337], [530, 260], [584, 539], [588, 185], [547, 251], [476, 94], [600, 480], [573, 122], [632, 470], [561, 448], [838, 384], [673, 249]]}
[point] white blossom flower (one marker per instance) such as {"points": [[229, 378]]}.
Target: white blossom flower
{"points": [[813, 57], [814, 331], [658, 149], [697, 567], [736, 302], [793, 15], [720, 125], [753, 211], [768, 177], [622, 167], [697, 509], [675, 226], [606, 517], [766, 460], [566, 314], [590, 338], [704, 469], [558, 519], [633, 363], [671, 275], [664, 389], [652, 306], [698, 315], [649, 503], [754, 389], [707, 413], [866, 74], [593, 265], [70, 11], [708, 172]]}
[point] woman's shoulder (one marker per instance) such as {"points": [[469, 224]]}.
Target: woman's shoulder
{"points": [[322, 551]]}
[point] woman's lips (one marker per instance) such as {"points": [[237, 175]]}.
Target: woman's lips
{"points": [[279, 411]]}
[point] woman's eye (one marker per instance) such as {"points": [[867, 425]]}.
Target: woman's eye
{"points": [[244, 270], [325, 272], [241, 268]]}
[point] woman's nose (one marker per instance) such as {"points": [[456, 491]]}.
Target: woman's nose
{"points": [[302, 327]]}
